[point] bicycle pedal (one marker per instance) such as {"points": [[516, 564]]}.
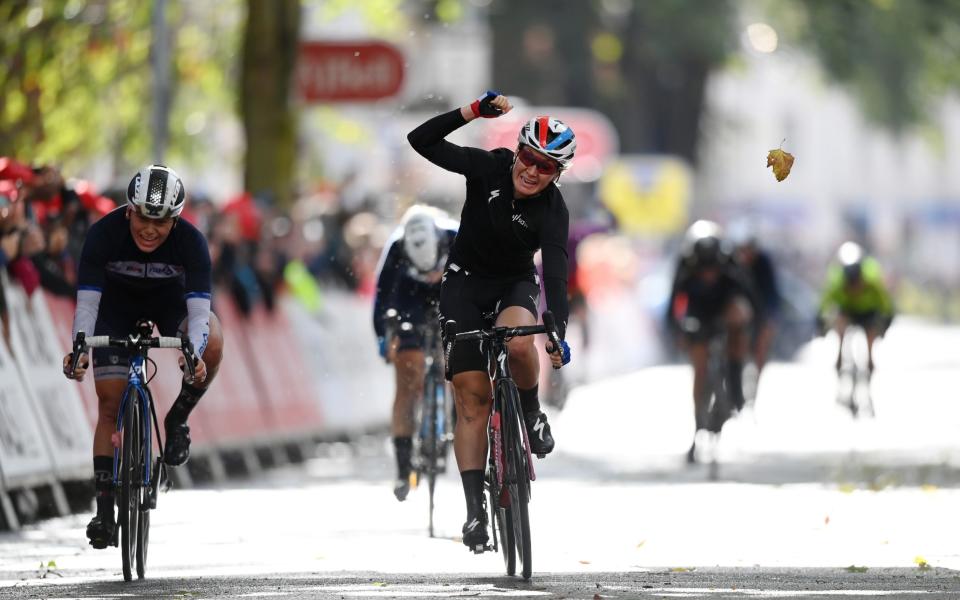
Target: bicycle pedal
{"points": [[481, 548], [541, 456]]}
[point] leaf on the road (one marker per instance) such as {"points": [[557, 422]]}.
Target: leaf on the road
{"points": [[930, 488], [781, 162], [682, 569], [584, 562], [379, 584], [856, 569], [922, 563], [640, 545], [52, 564], [847, 488]]}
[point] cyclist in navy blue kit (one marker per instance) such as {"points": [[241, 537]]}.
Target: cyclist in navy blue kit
{"points": [[513, 208], [408, 282], [142, 261]]}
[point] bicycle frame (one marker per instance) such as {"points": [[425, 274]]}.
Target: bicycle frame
{"points": [[500, 371], [136, 381]]}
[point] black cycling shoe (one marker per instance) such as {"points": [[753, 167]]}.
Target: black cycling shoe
{"points": [[177, 450], [475, 534], [401, 488], [538, 430], [100, 532]]}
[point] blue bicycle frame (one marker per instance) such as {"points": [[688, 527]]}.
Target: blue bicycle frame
{"points": [[136, 382]]}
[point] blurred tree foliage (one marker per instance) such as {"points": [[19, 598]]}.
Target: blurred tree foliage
{"points": [[897, 56], [75, 79], [645, 63]]}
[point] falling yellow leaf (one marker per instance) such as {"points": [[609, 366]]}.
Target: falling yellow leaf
{"points": [[640, 545], [921, 563], [781, 161]]}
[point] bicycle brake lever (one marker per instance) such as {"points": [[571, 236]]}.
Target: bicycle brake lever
{"points": [[188, 359], [79, 347]]}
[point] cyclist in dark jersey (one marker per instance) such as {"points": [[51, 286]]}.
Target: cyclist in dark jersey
{"points": [[408, 281], [710, 294], [512, 209], [142, 261]]}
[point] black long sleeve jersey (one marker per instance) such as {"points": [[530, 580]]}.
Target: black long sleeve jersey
{"points": [[499, 234]]}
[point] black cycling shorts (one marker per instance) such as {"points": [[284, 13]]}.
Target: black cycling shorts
{"points": [[868, 320], [117, 317], [466, 298]]}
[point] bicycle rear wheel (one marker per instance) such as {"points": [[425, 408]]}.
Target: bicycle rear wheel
{"points": [[129, 497], [517, 478]]}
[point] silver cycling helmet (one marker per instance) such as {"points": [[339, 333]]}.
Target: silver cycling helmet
{"points": [[420, 238], [156, 192]]}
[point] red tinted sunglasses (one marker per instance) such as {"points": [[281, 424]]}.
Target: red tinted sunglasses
{"points": [[529, 157]]}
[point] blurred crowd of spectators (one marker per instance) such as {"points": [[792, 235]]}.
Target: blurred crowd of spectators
{"points": [[256, 249]]}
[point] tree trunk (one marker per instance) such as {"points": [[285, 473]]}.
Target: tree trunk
{"points": [[270, 45]]}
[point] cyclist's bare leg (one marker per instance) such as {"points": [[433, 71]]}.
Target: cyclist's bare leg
{"points": [[840, 325], [408, 368], [524, 364], [737, 318], [761, 349], [177, 448], [699, 353], [872, 334], [472, 393], [109, 393]]}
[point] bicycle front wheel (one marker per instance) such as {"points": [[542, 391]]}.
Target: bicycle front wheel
{"points": [[517, 478], [129, 497]]}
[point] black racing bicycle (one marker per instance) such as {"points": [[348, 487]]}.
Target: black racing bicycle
{"points": [[719, 407], [435, 414], [510, 464], [137, 475]]}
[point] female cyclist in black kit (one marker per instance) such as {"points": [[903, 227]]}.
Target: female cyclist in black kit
{"points": [[513, 208]]}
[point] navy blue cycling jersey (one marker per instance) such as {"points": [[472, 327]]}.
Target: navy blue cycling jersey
{"points": [[113, 268], [400, 285]]}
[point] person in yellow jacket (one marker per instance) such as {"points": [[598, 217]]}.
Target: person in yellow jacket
{"points": [[855, 294]]}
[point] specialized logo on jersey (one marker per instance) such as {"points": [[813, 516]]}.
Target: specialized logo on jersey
{"points": [[519, 219], [493, 194]]}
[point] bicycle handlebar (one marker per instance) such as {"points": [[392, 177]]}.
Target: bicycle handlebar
{"points": [[82, 343], [548, 327]]}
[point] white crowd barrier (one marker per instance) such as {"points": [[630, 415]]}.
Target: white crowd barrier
{"points": [[285, 376]]}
